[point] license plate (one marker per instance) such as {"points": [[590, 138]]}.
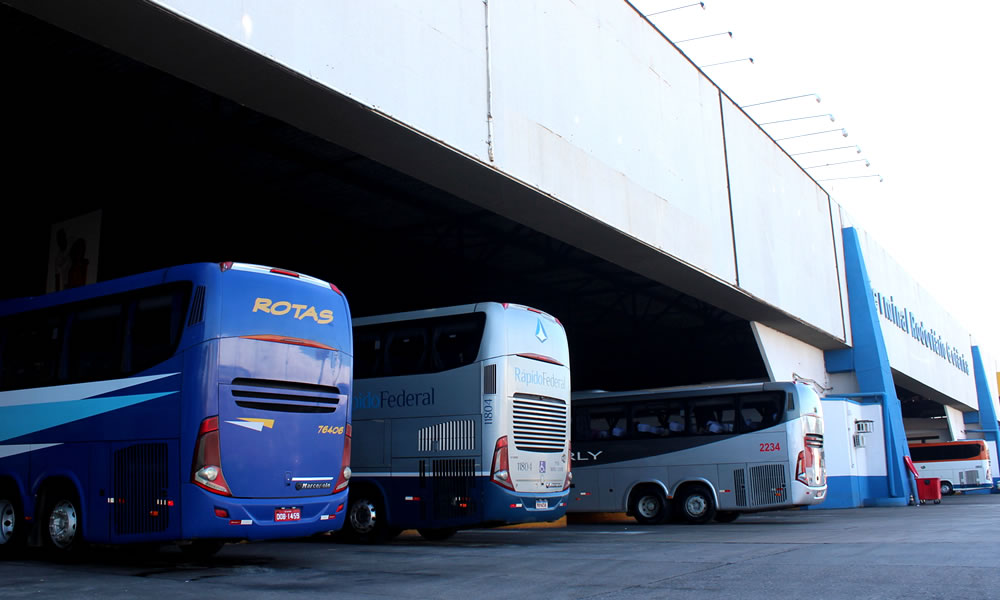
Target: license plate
{"points": [[282, 515], [539, 504]]}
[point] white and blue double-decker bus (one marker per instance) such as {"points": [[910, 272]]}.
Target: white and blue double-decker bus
{"points": [[461, 420], [195, 404]]}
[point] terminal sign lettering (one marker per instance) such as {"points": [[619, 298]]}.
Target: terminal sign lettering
{"points": [[908, 322]]}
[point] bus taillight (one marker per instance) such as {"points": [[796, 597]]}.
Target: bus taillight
{"points": [[500, 474], [345, 461], [206, 469], [569, 466]]}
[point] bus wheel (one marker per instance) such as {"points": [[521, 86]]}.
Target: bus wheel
{"points": [[649, 505], [726, 516], [365, 521], [201, 549], [695, 504], [946, 488], [437, 534], [62, 521], [11, 524]]}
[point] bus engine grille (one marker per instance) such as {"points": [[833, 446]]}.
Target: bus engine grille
{"points": [[140, 489], [451, 435], [767, 485], [540, 423]]}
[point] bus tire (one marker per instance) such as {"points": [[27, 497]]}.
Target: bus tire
{"points": [[365, 521], [726, 516], [12, 524], [946, 488], [648, 505], [694, 504], [61, 526], [437, 534]]}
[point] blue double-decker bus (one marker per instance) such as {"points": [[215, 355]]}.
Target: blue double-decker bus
{"points": [[196, 404]]}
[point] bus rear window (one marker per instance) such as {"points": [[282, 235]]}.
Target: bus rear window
{"points": [[418, 346]]}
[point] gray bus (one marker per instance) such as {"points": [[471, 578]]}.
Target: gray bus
{"points": [[698, 453]]}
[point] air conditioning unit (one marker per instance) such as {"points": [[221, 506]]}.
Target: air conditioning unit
{"points": [[859, 440], [864, 426]]}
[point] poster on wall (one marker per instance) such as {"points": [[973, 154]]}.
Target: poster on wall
{"points": [[73, 252]]}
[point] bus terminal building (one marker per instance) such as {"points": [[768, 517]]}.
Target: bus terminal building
{"points": [[419, 153]]}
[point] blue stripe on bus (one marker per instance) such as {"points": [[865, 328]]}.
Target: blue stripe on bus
{"points": [[31, 418], [77, 391], [14, 449]]}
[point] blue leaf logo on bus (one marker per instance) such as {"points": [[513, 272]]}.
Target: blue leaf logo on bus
{"points": [[540, 332]]}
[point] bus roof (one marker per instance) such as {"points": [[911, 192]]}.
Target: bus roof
{"points": [[194, 271], [442, 312], [688, 390]]}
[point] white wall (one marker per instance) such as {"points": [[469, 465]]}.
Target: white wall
{"points": [[789, 359], [785, 248], [422, 62], [594, 107], [842, 457]]}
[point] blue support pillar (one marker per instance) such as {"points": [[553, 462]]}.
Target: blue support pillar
{"points": [[870, 362], [987, 413]]}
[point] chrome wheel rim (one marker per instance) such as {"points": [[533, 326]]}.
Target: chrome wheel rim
{"points": [[62, 524], [8, 520], [363, 516], [695, 506], [648, 506]]}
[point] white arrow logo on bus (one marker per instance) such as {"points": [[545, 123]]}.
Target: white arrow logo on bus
{"points": [[254, 424], [540, 332]]}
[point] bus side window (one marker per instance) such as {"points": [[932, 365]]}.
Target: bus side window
{"points": [[406, 352], [608, 424], [156, 328], [649, 420], [95, 343], [761, 410], [30, 350], [715, 414], [368, 348], [581, 425], [456, 344]]}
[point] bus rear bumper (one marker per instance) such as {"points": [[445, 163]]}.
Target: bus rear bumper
{"points": [[210, 516], [806, 495], [509, 507]]}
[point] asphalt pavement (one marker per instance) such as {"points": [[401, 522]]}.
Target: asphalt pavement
{"points": [[932, 551]]}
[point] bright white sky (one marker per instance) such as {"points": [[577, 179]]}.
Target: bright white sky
{"points": [[911, 82]]}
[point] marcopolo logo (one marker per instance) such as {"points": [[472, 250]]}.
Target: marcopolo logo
{"points": [[542, 378], [394, 399]]}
